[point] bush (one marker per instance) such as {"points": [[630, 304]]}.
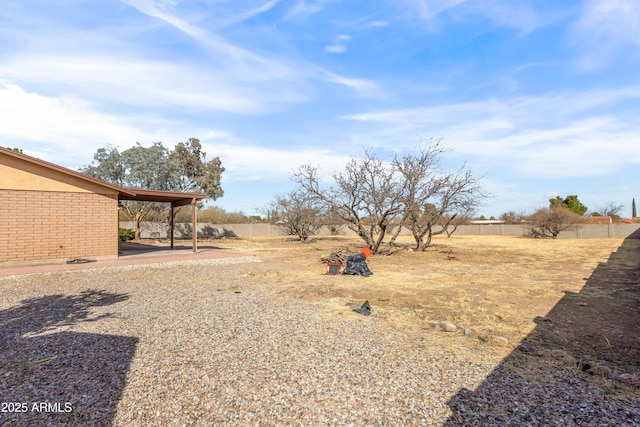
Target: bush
{"points": [[126, 234], [549, 222]]}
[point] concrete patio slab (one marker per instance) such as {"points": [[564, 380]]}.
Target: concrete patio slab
{"points": [[128, 257]]}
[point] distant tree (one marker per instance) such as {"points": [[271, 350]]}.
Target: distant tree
{"points": [[137, 167], [513, 217], [549, 222], [212, 215], [17, 150], [155, 168], [611, 209], [633, 208], [190, 171], [570, 202], [301, 214]]}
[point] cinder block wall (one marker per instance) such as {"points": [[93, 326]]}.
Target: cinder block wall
{"points": [[48, 225], [206, 230]]}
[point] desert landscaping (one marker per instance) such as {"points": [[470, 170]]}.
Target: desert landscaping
{"points": [[476, 330]]}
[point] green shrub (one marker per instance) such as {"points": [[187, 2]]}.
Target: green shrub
{"points": [[126, 234]]}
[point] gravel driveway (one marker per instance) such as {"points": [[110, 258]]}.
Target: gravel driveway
{"points": [[205, 343]]}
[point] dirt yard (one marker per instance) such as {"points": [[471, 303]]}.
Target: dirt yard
{"points": [[573, 299]]}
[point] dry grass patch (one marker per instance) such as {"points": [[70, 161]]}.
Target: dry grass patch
{"points": [[495, 285]]}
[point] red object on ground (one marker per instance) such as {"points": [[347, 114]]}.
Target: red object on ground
{"points": [[333, 268]]}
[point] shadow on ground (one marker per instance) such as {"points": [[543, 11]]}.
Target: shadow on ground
{"points": [[584, 339], [61, 378], [131, 248]]}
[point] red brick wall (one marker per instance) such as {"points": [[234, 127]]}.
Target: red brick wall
{"points": [[46, 225]]}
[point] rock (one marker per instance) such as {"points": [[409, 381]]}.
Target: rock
{"points": [[449, 327], [627, 379], [468, 331], [499, 341], [525, 347], [428, 325]]}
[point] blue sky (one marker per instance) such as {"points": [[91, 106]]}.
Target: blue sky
{"points": [[540, 97]]}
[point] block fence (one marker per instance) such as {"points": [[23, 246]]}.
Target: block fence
{"points": [[151, 230]]}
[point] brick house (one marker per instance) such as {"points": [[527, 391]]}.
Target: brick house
{"points": [[49, 213]]}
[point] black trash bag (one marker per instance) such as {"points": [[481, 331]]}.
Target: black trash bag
{"points": [[365, 309], [357, 264]]}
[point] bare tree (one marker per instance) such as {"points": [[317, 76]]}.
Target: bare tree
{"points": [[372, 197], [300, 214], [611, 209], [549, 222], [366, 196], [452, 224], [433, 197], [513, 217], [334, 224]]}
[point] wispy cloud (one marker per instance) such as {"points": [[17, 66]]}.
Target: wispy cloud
{"points": [[248, 14], [153, 83], [335, 48], [244, 57], [605, 29], [378, 24], [516, 14], [305, 8], [429, 9], [247, 63], [67, 130], [249, 163], [546, 136], [338, 45], [363, 86]]}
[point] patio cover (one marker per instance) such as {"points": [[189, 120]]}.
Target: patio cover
{"points": [[176, 199]]}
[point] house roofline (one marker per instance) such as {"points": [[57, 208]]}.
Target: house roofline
{"points": [[63, 170], [123, 193]]}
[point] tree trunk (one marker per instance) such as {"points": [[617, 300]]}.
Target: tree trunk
{"points": [[136, 225], [396, 233], [426, 244]]}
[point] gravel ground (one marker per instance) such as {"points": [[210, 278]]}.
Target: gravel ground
{"points": [[207, 344]]}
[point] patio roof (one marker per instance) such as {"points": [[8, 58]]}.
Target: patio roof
{"points": [[173, 197]]}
